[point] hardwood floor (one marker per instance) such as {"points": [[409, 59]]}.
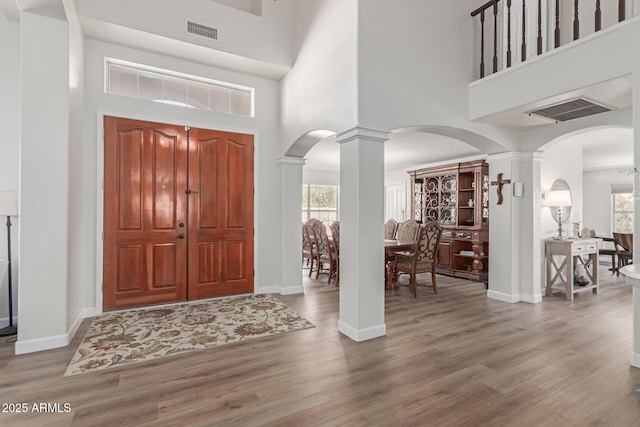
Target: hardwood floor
{"points": [[456, 358]]}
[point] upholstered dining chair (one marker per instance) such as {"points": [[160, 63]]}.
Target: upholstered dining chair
{"points": [[423, 258], [390, 229], [308, 249], [408, 230], [335, 236], [324, 252], [623, 243]]}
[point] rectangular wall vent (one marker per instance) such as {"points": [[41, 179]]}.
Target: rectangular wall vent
{"points": [[202, 30], [572, 109]]}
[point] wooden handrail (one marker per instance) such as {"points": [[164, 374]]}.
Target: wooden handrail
{"points": [[485, 6]]}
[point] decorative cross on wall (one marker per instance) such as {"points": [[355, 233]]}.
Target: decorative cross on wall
{"points": [[500, 182]]}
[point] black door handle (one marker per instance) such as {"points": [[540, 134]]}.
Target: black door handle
{"points": [[180, 236]]}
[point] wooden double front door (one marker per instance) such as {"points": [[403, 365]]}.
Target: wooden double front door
{"points": [[178, 213]]}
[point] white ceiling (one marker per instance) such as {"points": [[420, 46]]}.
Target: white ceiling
{"points": [[605, 148]]}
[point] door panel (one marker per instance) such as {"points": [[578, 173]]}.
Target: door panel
{"points": [[164, 240], [220, 214], [236, 187], [164, 182], [235, 261], [129, 186], [209, 262], [144, 200]]}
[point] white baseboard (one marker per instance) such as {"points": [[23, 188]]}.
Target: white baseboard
{"points": [[292, 290], [40, 344], [280, 290], [56, 341], [267, 290], [635, 360], [4, 322], [90, 312], [504, 297], [531, 299], [362, 334]]}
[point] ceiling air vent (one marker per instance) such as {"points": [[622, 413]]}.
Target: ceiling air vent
{"points": [[202, 30], [572, 109]]}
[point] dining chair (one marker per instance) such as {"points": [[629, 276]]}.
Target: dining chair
{"points": [[308, 249], [423, 258], [623, 243], [407, 230], [335, 236], [324, 253], [390, 229]]}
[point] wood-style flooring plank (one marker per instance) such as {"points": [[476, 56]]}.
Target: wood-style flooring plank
{"points": [[452, 359]]}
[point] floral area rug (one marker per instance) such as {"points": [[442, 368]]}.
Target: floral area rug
{"points": [[124, 337]]}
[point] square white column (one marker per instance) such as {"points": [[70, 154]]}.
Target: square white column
{"points": [[361, 233], [515, 264], [44, 184], [635, 352], [291, 193]]}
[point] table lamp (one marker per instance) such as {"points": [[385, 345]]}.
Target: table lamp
{"points": [[9, 208], [559, 199]]}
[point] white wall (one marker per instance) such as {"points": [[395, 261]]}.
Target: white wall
{"points": [[415, 63], [264, 126], [318, 177], [320, 92], [562, 161], [597, 198], [265, 38], [9, 148]]}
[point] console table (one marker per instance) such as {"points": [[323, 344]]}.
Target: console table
{"points": [[561, 258]]}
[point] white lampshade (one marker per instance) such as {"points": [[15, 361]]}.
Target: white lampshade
{"points": [[559, 198], [9, 203]]}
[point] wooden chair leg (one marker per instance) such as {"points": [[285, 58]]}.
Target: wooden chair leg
{"points": [[389, 276], [311, 268], [412, 284], [433, 282]]}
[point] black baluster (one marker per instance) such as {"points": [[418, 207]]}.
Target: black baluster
{"points": [[524, 31], [495, 37], [482, 44], [556, 32], [508, 33], [576, 21], [539, 39]]}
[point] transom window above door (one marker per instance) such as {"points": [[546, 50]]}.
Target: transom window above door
{"points": [[168, 87]]}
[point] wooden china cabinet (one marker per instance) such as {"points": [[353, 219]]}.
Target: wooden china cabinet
{"points": [[457, 196]]}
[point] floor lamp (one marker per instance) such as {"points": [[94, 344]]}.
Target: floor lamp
{"points": [[9, 208]]}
